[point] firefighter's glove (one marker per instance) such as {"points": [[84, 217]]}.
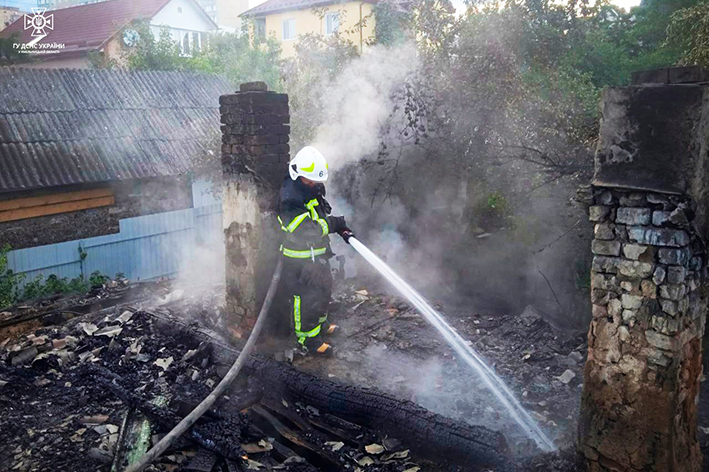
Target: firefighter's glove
{"points": [[325, 205], [337, 224]]}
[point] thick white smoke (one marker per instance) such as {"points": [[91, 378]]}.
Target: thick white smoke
{"points": [[358, 102]]}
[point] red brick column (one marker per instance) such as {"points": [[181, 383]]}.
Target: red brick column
{"points": [[255, 153]]}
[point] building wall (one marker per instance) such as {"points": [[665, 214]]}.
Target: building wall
{"points": [[8, 15], [228, 12], [307, 21], [639, 407], [147, 247], [184, 15], [183, 18], [132, 198], [225, 13]]}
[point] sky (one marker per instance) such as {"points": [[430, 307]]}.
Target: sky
{"points": [[24, 5]]}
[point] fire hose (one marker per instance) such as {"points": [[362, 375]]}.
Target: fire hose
{"points": [[207, 403]]}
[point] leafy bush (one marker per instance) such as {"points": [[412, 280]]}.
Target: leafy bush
{"points": [[97, 279], [9, 281], [55, 285]]}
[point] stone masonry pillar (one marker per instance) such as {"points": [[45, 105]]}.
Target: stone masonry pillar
{"points": [[255, 153], [649, 208]]}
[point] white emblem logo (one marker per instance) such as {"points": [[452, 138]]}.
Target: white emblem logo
{"points": [[39, 24]]}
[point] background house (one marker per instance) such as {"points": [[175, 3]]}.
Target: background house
{"points": [[105, 27], [224, 13], [104, 152], [287, 19], [8, 15]]}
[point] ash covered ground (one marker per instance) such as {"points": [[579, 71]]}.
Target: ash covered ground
{"points": [[69, 390], [386, 344]]}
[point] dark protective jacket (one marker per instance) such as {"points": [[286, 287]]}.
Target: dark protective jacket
{"points": [[303, 218]]}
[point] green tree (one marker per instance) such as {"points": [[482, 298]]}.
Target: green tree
{"points": [[9, 54], [228, 54], [689, 32], [235, 57], [393, 23], [317, 62]]}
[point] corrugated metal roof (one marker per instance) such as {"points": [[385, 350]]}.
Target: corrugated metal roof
{"points": [[70, 126]]}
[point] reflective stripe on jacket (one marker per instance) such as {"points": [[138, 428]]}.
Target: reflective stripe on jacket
{"points": [[305, 228]]}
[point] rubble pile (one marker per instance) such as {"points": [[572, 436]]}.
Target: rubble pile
{"points": [[97, 391], [61, 307]]}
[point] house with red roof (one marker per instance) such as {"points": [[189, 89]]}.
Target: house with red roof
{"points": [[65, 37]]}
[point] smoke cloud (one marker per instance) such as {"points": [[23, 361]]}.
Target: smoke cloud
{"points": [[358, 102]]}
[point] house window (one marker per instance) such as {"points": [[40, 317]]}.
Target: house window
{"points": [[186, 44], [289, 29], [196, 43], [332, 23], [260, 29]]}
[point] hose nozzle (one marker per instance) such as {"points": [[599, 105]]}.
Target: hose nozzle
{"points": [[346, 235]]}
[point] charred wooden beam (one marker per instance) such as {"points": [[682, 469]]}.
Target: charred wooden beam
{"points": [[432, 435], [295, 438]]}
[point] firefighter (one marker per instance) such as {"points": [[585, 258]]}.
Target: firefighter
{"points": [[304, 219]]}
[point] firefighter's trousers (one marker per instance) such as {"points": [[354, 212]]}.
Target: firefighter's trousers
{"points": [[307, 284]]}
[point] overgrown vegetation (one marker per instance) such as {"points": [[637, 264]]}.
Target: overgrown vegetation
{"points": [[689, 33], [9, 281], [232, 55], [12, 289]]}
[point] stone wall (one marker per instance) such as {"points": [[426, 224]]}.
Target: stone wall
{"points": [[645, 336], [648, 277], [133, 198], [255, 153]]}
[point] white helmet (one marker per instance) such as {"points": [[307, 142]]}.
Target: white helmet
{"points": [[308, 163]]}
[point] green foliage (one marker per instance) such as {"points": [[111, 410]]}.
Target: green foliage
{"points": [[228, 54], [9, 281], [150, 53], [9, 55], [233, 56], [497, 202], [319, 60], [34, 288], [393, 23], [97, 279], [54, 285], [689, 32], [582, 274]]}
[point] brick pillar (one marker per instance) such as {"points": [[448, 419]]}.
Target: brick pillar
{"points": [[649, 200], [255, 153]]}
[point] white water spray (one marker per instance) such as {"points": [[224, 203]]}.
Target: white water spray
{"points": [[472, 358]]}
